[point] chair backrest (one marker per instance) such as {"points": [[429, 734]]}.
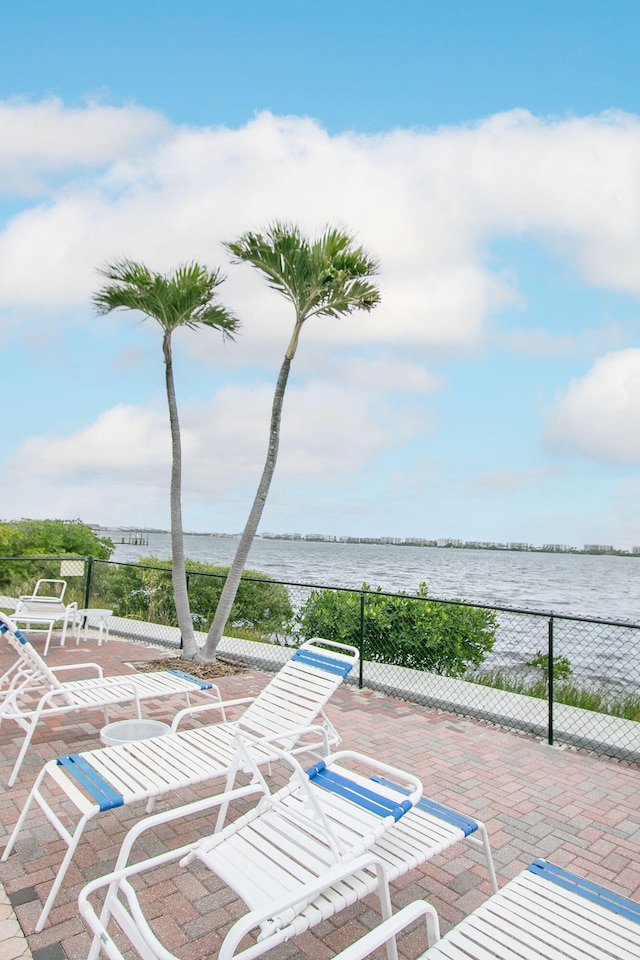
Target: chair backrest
{"points": [[36, 667], [330, 814], [301, 688], [57, 588]]}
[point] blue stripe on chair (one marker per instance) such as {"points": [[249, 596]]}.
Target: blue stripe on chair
{"points": [[322, 662], [203, 684], [18, 634], [95, 784], [357, 793], [591, 891], [466, 824]]}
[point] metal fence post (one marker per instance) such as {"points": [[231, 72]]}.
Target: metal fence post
{"points": [[361, 664], [550, 683], [87, 583]]}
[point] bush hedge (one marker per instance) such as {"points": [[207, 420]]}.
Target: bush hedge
{"points": [[409, 631]]}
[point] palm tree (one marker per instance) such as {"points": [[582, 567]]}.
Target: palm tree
{"points": [[185, 298], [326, 277]]}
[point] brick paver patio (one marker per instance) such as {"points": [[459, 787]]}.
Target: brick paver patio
{"points": [[580, 811]]}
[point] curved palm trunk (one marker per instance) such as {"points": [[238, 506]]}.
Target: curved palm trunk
{"points": [[234, 576], [178, 575]]}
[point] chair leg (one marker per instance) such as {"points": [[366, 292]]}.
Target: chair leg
{"points": [[48, 640], [72, 840], [483, 843], [21, 819], [29, 730]]}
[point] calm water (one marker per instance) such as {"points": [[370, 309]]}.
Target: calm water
{"points": [[606, 587]]}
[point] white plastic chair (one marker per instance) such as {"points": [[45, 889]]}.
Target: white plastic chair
{"points": [[40, 612], [276, 856], [415, 838], [97, 781], [545, 913], [35, 691]]}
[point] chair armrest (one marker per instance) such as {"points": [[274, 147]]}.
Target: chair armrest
{"points": [[79, 666], [289, 740], [220, 705], [388, 930], [122, 872]]}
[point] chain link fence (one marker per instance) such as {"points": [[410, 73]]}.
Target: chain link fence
{"points": [[570, 680]]}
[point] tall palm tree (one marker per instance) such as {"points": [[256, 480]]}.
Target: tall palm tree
{"points": [[185, 298], [325, 277]]}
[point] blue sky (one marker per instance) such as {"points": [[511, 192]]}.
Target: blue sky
{"points": [[487, 153]]}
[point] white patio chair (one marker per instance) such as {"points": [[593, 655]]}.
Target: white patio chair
{"points": [[97, 781], [276, 856], [423, 831], [40, 612], [35, 691], [545, 913]]}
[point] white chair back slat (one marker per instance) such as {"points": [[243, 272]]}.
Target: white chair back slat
{"points": [[327, 815], [301, 688], [292, 858]]}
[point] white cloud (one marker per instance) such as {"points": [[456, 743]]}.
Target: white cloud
{"points": [[598, 416], [121, 461], [426, 203], [386, 375], [45, 138], [123, 181], [587, 343]]}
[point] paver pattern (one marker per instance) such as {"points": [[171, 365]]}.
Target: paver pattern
{"points": [[580, 811]]}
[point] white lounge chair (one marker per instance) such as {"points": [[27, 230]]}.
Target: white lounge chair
{"points": [[424, 830], [323, 821], [97, 781], [35, 691], [41, 611], [545, 913]]}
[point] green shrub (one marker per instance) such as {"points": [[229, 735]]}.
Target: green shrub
{"points": [[562, 668], [444, 638], [144, 591], [44, 538]]}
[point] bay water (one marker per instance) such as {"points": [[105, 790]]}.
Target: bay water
{"points": [[599, 586]]}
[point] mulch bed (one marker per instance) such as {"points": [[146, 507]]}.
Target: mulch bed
{"points": [[205, 671]]}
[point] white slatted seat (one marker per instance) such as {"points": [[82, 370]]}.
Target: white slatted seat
{"points": [[545, 913], [423, 831], [40, 612], [35, 691], [323, 821], [97, 781]]}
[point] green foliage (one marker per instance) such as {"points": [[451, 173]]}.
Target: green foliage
{"points": [[44, 538], [562, 668], [444, 638], [144, 591], [184, 298], [327, 276], [600, 700]]}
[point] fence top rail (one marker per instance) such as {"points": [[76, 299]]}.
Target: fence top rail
{"points": [[547, 614]]}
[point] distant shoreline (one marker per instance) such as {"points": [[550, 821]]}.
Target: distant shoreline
{"points": [[135, 534]]}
